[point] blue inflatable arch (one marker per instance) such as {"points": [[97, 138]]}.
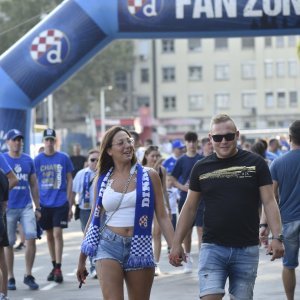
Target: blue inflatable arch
{"points": [[78, 29]]}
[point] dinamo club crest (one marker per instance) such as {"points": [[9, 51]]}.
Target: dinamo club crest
{"points": [[145, 8]]}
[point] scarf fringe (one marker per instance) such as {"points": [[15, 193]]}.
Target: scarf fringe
{"points": [[136, 262], [89, 249]]}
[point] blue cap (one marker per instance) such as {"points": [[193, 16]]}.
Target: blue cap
{"points": [[13, 134], [177, 144]]}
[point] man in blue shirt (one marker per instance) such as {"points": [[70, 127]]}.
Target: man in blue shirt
{"points": [[20, 208], [54, 173], [177, 151], [285, 171]]}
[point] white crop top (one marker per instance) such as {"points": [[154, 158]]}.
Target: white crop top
{"points": [[124, 216]]}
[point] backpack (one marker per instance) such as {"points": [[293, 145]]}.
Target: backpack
{"points": [[4, 187]]}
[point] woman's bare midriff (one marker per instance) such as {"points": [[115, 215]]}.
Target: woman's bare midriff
{"points": [[123, 231]]}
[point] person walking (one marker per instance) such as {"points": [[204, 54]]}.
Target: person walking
{"points": [[84, 188], [181, 176], [20, 207], [285, 172], [119, 232], [177, 150], [150, 160], [231, 182], [54, 173], [77, 159]]}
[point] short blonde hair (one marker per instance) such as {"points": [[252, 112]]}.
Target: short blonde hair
{"points": [[221, 118]]}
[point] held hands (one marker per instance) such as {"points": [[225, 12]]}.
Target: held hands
{"points": [[177, 256]]}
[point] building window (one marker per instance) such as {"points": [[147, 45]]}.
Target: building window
{"points": [[169, 103], [293, 68], [279, 41], [280, 68], [268, 42], [121, 81], [222, 100], [143, 101], [221, 44], [195, 45], [196, 102], [168, 46], [248, 70], [268, 69], [248, 43], [248, 99], [168, 74], [269, 100], [293, 99], [145, 75], [292, 41], [195, 73], [281, 101], [222, 72]]}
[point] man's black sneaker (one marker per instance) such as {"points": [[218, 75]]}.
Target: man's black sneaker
{"points": [[30, 281], [11, 284], [58, 276], [51, 276]]}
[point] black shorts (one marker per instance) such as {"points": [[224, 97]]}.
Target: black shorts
{"points": [[3, 231], [54, 217]]}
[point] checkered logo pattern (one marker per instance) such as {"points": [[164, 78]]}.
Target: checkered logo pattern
{"points": [[45, 41], [141, 246], [143, 221], [134, 6]]}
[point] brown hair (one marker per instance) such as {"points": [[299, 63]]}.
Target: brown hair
{"points": [[147, 152], [105, 161]]}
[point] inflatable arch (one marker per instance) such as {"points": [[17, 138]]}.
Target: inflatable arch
{"points": [[78, 29]]}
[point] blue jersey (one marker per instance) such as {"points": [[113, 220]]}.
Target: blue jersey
{"points": [[4, 166], [23, 166], [52, 173], [183, 168], [286, 171]]}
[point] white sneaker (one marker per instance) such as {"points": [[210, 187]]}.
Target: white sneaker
{"points": [[157, 271], [3, 297], [93, 274], [188, 266]]}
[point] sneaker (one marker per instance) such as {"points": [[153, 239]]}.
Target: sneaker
{"points": [[3, 297], [58, 276], [51, 276], [11, 284], [93, 273], [157, 271], [30, 281], [19, 247], [188, 266]]}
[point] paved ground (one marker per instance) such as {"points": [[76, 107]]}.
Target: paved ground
{"points": [[172, 284]]}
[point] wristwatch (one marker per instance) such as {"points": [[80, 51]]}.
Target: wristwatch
{"points": [[279, 238]]}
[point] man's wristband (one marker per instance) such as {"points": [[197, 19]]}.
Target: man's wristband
{"points": [[38, 209], [263, 225]]}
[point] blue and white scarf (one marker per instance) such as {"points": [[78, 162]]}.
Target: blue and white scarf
{"points": [[141, 254]]}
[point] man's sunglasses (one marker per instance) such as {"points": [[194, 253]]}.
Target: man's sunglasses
{"points": [[219, 137]]}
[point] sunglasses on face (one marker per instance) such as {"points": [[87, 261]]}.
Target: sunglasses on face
{"points": [[94, 159], [219, 137]]}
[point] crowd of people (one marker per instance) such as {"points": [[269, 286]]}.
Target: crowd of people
{"points": [[127, 195]]}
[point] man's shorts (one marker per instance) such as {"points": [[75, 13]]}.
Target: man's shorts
{"points": [[54, 217], [26, 217], [291, 233], [217, 263]]}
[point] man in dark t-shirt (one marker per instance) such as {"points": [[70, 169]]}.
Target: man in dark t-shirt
{"points": [[231, 182], [77, 159]]}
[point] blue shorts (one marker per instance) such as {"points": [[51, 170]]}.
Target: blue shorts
{"points": [[291, 233], [115, 247], [217, 263], [54, 217], [26, 217]]}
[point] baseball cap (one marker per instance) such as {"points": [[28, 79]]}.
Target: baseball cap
{"points": [[177, 144], [13, 134], [49, 134]]}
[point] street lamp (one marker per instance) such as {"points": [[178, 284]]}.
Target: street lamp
{"points": [[102, 107]]}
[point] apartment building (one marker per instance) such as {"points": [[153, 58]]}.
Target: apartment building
{"points": [[187, 81]]}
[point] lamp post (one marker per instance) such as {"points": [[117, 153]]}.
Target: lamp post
{"points": [[102, 107]]}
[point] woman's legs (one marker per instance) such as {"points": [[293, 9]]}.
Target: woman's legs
{"points": [[139, 283]]}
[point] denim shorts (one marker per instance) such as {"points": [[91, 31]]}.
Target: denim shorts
{"points": [[217, 263], [114, 246], [291, 233], [26, 217]]}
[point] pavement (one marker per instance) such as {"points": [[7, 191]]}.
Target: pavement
{"points": [[172, 284]]}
